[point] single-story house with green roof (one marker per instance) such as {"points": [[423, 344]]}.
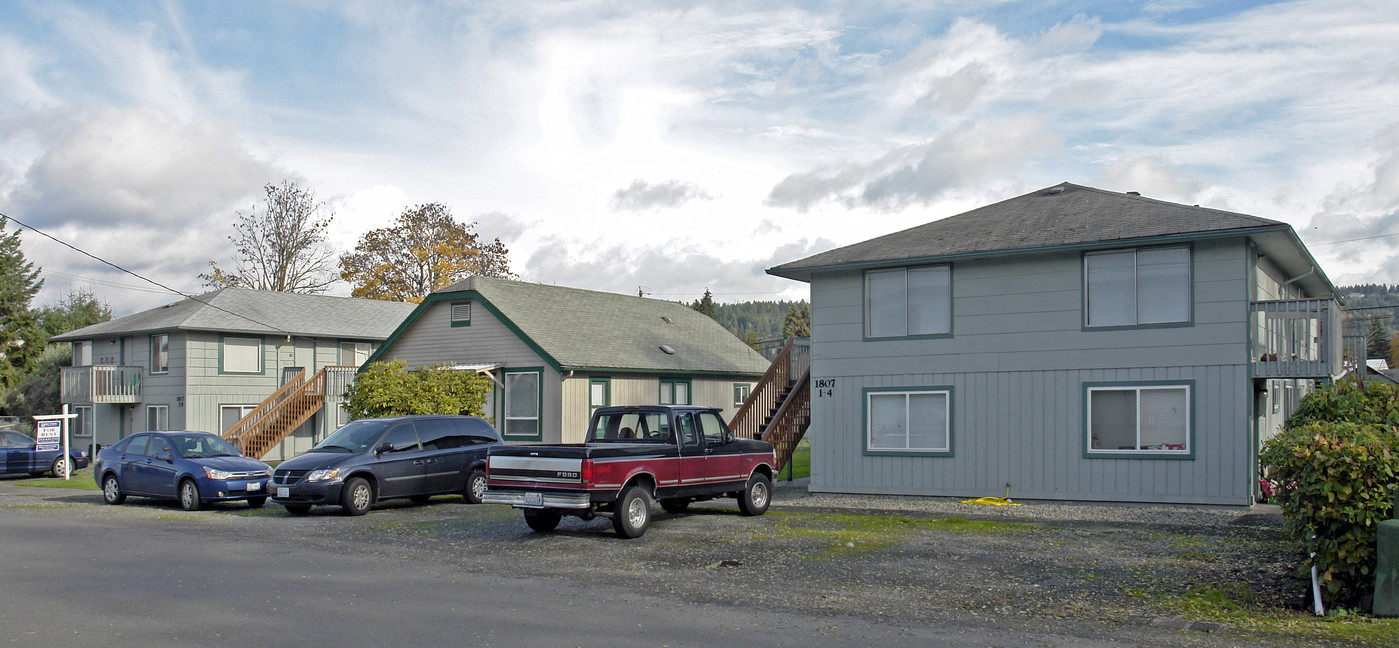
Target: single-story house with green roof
{"points": [[556, 353], [1068, 344]]}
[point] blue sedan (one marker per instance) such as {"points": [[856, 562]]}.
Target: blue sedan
{"points": [[19, 454], [194, 468]]}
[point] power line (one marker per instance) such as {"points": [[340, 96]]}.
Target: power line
{"points": [[1363, 238], [133, 273]]}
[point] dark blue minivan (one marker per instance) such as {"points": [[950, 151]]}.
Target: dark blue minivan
{"points": [[370, 460]]}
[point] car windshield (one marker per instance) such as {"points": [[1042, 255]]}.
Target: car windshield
{"points": [[199, 446], [354, 437]]}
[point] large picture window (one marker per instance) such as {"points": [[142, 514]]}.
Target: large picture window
{"points": [[522, 403], [908, 301], [1136, 287], [909, 421], [160, 353], [241, 355], [1139, 419]]}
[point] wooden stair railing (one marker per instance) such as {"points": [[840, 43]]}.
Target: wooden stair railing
{"points": [[778, 410], [278, 416]]}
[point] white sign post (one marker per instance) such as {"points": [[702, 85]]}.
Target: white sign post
{"points": [[48, 429]]}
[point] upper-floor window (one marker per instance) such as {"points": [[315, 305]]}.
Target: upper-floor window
{"points": [[353, 354], [908, 301], [82, 353], [1137, 287], [241, 355], [160, 353]]}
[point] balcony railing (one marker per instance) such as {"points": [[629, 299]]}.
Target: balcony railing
{"points": [[100, 384], [1297, 338]]}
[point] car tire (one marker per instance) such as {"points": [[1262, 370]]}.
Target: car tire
{"points": [[257, 502], [59, 467], [676, 505], [189, 495], [419, 499], [111, 490], [631, 514], [298, 509], [357, 497], [475, 486], [542, 520], [756, 495]]}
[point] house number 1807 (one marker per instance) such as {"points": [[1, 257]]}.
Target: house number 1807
{"points": [[824, 387]]}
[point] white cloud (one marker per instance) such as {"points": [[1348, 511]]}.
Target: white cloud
{"points": [[641, 195]]}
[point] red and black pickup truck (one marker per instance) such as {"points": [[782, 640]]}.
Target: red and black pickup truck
{"points": [[631, 457]]}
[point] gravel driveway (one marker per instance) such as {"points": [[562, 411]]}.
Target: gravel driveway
{"points": [[1096, 572]]}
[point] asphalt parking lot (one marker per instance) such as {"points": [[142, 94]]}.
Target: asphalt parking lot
{"points": [[1052, 575]]}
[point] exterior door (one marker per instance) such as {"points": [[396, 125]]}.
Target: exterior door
{"points": [[402, 467]]}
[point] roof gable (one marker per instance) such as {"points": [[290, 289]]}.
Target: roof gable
{"points": [[1062, 216], [574, 328]]}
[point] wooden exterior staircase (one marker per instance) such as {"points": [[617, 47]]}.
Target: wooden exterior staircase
{"points": [[779, 408], [295, 402]]}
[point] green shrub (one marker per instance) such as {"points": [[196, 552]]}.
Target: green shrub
{"points": [[1334, 463], [385, 389]]}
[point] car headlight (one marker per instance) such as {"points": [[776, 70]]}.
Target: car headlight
{"points": [[217, 474], [327, 474]]}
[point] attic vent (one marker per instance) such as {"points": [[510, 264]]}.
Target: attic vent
{"points": [[665, 319], [667, 349], [1055, 190], [1134, 193]]}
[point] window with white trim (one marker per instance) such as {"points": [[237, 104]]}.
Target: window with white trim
{"points": [[157, 417], [908, 301], [229, 415], [354, 354], [522, 403], [1136, 287], [160, 353], [908, 421], [1137, 419], [741, 393], [242, 355]]}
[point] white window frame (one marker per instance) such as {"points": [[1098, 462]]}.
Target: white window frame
{"points": [[1137, 295], [224, 355], [666, 391], [357, 350], [84, 421], [1187, 448], [907, 394], [243, 410], [742, 392], [943, 329], [162, 418], [160, 358]]}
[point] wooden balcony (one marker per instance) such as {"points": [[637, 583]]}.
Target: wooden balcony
{"points": [[1297, 338], [96, 384]]}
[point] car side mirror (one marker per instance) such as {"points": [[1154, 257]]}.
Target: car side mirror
{"points": [[387, 447], [165, 455]]}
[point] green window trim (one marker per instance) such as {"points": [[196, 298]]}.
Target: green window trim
{"points": [[1137, 386], [866, 396], [606, 384], [667, 390], [460, 313], [742, 392], [1189, 320]]}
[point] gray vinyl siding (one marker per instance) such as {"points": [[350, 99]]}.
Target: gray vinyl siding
{"points": [[432, 340], [1017, 363]]}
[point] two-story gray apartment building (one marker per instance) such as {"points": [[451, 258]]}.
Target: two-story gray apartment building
{"points": [[207, 362], [1072, 343]]}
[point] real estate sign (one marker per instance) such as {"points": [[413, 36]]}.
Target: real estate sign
{"points": [[48, 435]]}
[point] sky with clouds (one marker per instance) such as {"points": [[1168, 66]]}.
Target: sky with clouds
{"points": [[680, 146]]}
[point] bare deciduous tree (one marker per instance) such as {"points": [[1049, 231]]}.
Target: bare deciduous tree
{"points": [[280, 246]]}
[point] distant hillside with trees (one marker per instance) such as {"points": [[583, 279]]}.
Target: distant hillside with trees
{"points": [[758, 321]]}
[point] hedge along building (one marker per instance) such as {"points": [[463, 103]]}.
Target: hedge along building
{"points": [[1073, 343], [556, 353]]}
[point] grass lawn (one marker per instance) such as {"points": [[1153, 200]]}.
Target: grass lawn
{"points": [[801, 462], [81, 480]]}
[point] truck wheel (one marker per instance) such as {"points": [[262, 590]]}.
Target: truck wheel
{"points": [[542, 520], [632, 512], [756, 495], [676, 505]]}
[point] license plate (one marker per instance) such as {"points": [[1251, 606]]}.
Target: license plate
{"points": [[252, 486], [283, 492], [535, 500]]}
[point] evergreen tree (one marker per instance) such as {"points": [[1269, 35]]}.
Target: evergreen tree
{"points": [[705, 304], [752, 340], [21, 338], [78, 309], [1377, 344], [798, 321]]}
